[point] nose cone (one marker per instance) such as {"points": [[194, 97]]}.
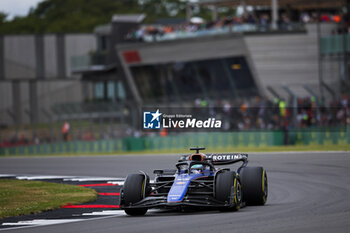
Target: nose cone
{"points": [[179, 188]]}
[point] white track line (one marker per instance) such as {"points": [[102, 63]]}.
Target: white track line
{"points": [[122, 182], [41, 222], [33, 226], [112, 213], [116, 182], [112, 180], [34, 177], [106, 212], [64, 178], [6, 175], [81, 179]]}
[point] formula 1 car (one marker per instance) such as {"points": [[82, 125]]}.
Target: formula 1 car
{"points": [[197, 183]]}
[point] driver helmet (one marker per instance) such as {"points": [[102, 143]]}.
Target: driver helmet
{"points": [[197, 168]]}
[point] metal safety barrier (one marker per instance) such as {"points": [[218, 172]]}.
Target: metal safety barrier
{"points": [[179, 142]]}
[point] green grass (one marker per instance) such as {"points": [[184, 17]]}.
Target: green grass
{"points": [[208, 149], [18, 197], [262, 149]]}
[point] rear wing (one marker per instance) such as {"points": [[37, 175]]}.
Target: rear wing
{"points": [[227, 158], [221, 159]]}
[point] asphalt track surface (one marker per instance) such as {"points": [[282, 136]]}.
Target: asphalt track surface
{"points": [[308, 192]]}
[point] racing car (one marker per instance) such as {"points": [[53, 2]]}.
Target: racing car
{"points": [[197, 181]]}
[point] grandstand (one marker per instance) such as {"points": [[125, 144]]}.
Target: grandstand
{"points": [[103, 77]]}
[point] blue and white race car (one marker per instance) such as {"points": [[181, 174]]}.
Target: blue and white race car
{"points": [[197, 183]]}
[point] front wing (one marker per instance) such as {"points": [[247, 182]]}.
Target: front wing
{"points": [[189, 201]]}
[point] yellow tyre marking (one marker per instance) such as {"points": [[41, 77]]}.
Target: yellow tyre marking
{"points": [[263, 185], [142, 189], [237, 207], [235, 190]]}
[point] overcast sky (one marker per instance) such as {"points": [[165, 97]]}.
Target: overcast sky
{"points": [[17, 7]]}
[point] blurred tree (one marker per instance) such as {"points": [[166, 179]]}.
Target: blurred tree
{"points": [[3, 17], [79, 16], [62, 16], [156, 9]]}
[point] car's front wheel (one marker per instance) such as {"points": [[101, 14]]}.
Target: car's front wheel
{"points": [[228, 190], [134, 189]]}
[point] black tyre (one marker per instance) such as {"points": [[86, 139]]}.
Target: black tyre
{"points": [[133, 192], [228, 189], [254, 185]]}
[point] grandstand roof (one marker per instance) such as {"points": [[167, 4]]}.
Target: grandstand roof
{"points": [[296, 4]]}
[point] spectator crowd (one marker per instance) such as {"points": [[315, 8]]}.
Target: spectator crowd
{"points": [[237, 115], [245, 22], [264, 114]]}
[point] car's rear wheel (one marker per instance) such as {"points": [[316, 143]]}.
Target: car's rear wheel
{"points": [[228, 190], [254, 185], [134, 189]]}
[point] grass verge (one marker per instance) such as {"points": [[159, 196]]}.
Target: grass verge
{"points": [[18, 197], [291, 148]]}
